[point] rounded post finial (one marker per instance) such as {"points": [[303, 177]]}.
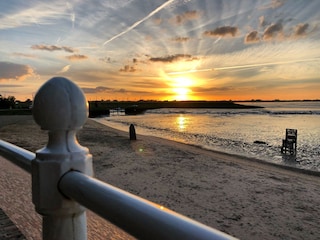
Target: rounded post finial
{"points": [[60, 105], [61, 108]]}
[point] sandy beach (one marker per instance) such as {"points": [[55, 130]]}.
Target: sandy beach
{"points": [[239, 196]]}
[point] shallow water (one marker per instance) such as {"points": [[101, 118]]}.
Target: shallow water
{"points": [[235, 130]]}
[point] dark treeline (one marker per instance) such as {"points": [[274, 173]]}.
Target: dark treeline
{"points": [[10, 102], [7, 103]]}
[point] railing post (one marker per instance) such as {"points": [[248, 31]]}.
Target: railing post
{"points": [[61, 108]]}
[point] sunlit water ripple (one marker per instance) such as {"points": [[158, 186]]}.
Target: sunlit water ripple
{"points": [[235, 130]]}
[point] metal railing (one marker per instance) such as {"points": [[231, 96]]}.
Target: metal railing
{"points": [[62, 182]]}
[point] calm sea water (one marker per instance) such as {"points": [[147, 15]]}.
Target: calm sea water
{"points": [[235, 130]]}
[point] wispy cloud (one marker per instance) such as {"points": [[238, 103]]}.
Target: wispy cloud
{"points": [[24, 55], [140, 21], [212, 89], [10, 86], [215, 41], [101, 89], [72, 13], [98, 89], [190, 71], [40, 14], [245, 66]]}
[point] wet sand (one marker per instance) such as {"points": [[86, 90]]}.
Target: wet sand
{"points": [[239, 196]]}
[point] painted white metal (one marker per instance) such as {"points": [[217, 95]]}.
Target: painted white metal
{"points": [[137, 216], [61, 108], [18, 156]]}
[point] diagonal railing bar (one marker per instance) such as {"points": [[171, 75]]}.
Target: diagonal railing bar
{"points": [[139, 217], [62, 185], [19, 156]]}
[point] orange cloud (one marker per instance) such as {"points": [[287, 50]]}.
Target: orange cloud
{"points": [[272, 31], [15, 71], [187, 16], [252, 37], [262, 21], [274, 4], [276, 30], [277, 3], [301, 29]]}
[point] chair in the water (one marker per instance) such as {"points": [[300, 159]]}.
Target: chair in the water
{"points": [[289, 144]]}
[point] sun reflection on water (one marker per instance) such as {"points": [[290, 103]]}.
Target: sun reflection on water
{"points": [[182, 123]]}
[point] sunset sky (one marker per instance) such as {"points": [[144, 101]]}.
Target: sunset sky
{"points": [[163, 50]]}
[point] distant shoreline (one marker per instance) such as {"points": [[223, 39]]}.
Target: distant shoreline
{"points": [[98, 108], [276, 100]]}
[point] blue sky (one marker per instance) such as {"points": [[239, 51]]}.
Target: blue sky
{"points": [[176, 49]]}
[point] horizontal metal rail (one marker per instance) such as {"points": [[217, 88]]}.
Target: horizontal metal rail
{"points": [[64, 219], [17, 155], [139, 217]]}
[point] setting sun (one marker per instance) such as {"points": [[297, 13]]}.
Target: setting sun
{"points": [[182, 82], [163, 50], [181, 93], [181, 88]]}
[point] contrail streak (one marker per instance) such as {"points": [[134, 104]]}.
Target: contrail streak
{"points": [[191, 71], [140, 21], [243, 66]]}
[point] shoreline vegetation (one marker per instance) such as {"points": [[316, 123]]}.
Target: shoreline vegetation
{"points": [[99, 108], [243, 198], [104, 108]]}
